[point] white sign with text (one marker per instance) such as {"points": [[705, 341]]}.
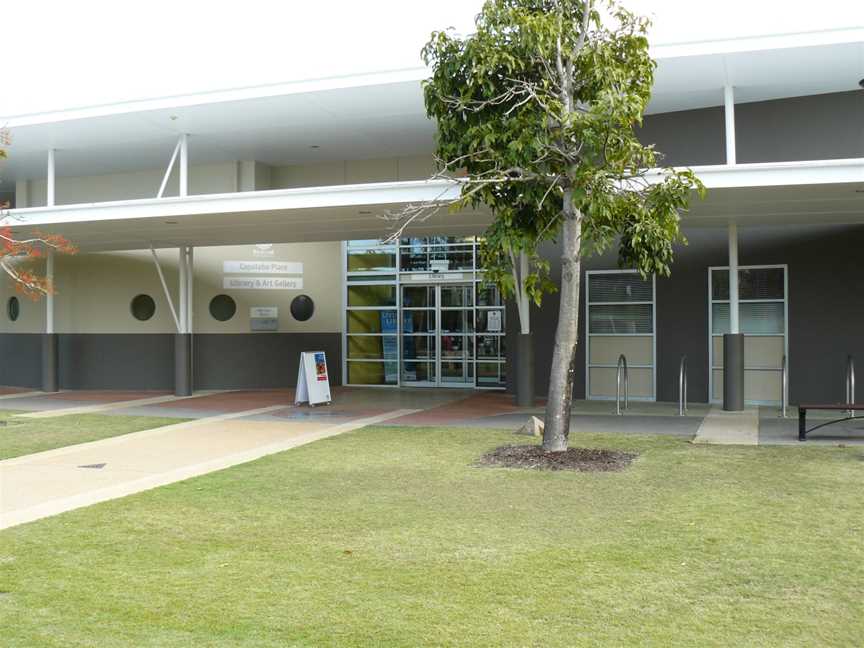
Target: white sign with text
{"points": [[313, 382], [262, 267], [262, 283], [264, 312]]}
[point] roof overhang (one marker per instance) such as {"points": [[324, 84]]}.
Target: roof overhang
{"points": [[820, 192], [382, 114]]}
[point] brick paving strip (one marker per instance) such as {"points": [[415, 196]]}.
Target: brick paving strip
{"points": [[26, 394], [104, 407], [52, 482]]}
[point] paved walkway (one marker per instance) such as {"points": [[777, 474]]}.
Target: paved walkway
{"points": [[48, 483]]}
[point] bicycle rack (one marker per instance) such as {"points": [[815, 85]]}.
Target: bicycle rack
{"points": [[682, 387], [622, 374], [850, 384]]}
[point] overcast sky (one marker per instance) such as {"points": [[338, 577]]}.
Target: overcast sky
{"points": [[63, 54]]}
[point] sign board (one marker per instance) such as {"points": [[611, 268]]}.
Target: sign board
{"points": [[266, 312], [262, 267], [262, 283], [493, 321], [313, 382], [264, 324], [263, 249]]}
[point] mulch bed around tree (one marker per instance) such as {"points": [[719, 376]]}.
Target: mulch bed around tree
{"points": [[578, 459]]}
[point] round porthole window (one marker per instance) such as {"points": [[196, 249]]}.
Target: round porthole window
{"points": [[222, 308], [143, 307], [302, 308], [13, 308]]}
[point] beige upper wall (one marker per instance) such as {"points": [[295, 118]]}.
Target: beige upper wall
{"points": [[94, 291], [223, 178]]}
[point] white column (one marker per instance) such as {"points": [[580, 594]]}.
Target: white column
{"points": [[184, 290], [184, 165], [190, 286], [49, 184], [522, 296], [729, 110], [733, 278], [49, 298]]}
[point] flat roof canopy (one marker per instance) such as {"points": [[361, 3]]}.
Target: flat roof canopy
{"points": [[822, 192], [382, 114]]}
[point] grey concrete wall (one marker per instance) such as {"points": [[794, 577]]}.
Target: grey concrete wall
{"points": [[265, 360], [825, 302], [21, 360], [817, 127], [146, 361], [116, 361]]}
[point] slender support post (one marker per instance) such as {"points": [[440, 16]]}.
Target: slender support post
{"points": [[734, 326], [729, 111], [190, 287], [622, 376], [50, 346], [49, 298], [183, 340], [50, 194], [184, 165], [183, 260], [525, 346], [733, 342]]}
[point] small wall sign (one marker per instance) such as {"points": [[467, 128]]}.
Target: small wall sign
{"points": [[266, 312], [262, 283], [262, 267]]}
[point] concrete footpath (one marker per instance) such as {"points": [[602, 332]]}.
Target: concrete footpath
{"points": [[47, 483]]}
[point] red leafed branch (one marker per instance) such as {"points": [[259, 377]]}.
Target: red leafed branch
{"points": [[16, 255]]}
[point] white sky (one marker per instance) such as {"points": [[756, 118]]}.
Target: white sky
{"points": [[64, 54]]}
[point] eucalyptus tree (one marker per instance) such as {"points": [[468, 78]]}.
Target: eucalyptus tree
{"points": [[536, 114]]}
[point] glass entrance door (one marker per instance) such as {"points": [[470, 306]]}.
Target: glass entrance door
{"points": [[438, 335]]}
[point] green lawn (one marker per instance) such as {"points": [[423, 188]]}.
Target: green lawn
{"points": [[25, 436], [390, 537]]}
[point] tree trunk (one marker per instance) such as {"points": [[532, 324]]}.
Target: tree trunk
{"points": [[557, 423]]}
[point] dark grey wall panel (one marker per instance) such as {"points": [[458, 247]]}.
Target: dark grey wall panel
{"points": [[261, 360], [687, 137], [819, 127], [21, 360], [825, 302], [116, 361]]}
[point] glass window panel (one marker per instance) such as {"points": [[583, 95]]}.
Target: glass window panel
{"points": [[372, 373], [372, 347], [418, 296], [418, 347], [491, 347], [491, 374], [753, 318], [371, 260], [372, 321], [491, 321], [442, 259], [419, 321], [457, 321], [456, 296], [371, 295], [418, 372], [753, 283], [457, 372], [457, 346], [624, 318], [761, 283], [371, 277], [488, 295], [620, 287]]}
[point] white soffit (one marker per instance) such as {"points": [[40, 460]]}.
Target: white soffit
{"points": [[382, 114], [802, 192]]}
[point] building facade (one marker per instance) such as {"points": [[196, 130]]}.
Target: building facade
{"points": [[223, 234]]}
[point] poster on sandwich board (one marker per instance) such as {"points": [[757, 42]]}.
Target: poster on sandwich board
{"points": [[313, 381]]}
